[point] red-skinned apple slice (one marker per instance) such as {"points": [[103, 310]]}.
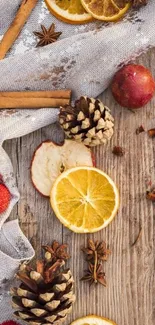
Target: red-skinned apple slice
{"points": [[50, 160]]}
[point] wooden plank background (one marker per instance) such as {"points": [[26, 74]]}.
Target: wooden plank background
{"points": [[129, 298]]}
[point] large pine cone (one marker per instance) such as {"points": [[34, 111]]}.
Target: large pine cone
{"points": [[45, 295], [89, 121]]}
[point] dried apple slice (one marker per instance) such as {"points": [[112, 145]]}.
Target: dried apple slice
{"points": [[50, 160]]}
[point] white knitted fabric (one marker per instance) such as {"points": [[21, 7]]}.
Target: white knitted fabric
{"points": [[14, 248], [84, 59]]}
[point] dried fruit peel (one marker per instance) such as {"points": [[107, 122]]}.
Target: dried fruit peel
{"points": [[69, 11], [93, 320], [106, 10], [50, 160]]}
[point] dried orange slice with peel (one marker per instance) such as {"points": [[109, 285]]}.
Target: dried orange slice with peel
{"points": [[106, 10], [69, 11], [93, 320], [84, 199]]}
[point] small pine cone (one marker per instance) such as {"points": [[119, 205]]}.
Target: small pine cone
{"points": [[89, 121], [45, 295]]}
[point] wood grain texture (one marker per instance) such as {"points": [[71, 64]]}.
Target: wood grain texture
{"points": [[129, 298]]}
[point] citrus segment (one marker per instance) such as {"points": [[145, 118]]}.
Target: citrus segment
{"points": [[73, 7], [107, 10], [84, 199], [63, 195], [82, 186], [70, 11]]}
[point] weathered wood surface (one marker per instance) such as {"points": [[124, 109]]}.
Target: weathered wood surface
{"points": [[129, 298]]}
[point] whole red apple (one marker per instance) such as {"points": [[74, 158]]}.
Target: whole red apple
{"points": [[133, 86]]}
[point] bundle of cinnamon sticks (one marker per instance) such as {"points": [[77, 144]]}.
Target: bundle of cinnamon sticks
{"points": [[35, 99]]}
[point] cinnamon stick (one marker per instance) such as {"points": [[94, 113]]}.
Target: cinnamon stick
{"points": [[31, 102], [16, 26], [64, 93]]}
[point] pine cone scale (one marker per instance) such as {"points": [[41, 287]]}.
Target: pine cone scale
{"points": [[24, 293], [46, 297], [27, 282], [34, 322], [25, 316], [51, 319]]}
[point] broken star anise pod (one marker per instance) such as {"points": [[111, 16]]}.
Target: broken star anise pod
{"points": [[47, 36], [56, 252], [98, 248], [93, 275]]}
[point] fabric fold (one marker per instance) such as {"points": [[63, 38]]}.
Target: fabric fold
{"points": [[14, 249], [15, 128], [8, 178]]}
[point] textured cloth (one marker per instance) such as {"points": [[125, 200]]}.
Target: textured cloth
{"points": [[14, 248], [84, 59]]}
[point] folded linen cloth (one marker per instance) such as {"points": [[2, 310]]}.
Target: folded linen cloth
{"points": [[84, 59], [14, 248]]}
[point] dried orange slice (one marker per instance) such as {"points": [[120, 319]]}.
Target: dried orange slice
{"points": [[93, 320], [85, 199], [107, 10], [69, 11]]}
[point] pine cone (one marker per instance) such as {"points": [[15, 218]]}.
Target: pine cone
{"points": [[89, 121], [45, 295]]}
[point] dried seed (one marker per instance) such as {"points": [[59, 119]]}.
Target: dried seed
{"points": [[140, 129], [151, 133], [150, 195], [118, 151]]}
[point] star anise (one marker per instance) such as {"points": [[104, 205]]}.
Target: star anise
{"points": [[56, 252], [98, 248], [47, 36], [95, 253], [93, 275]]}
